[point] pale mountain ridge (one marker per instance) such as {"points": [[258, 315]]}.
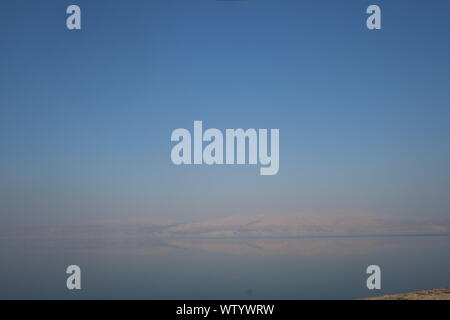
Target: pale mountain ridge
{"points": [[310, 224], [305, 234], [244, 226]]}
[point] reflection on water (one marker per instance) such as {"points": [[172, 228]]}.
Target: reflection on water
{"points": [[289, 268]]}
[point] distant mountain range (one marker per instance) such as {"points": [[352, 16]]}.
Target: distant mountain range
{"points": [[247, 226], [305, 225], [297, 234]]}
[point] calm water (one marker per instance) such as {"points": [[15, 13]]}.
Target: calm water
{"points": [[318, 268]]}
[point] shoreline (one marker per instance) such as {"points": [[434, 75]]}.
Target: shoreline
{"points": [[432, 294]]}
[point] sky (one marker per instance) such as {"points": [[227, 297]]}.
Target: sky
{"points": [[86, 116]]}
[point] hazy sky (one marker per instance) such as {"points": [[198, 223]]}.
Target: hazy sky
{"points": [[86, 116]]}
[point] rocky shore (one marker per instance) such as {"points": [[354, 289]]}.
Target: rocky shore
{"points": [[433, 294]]}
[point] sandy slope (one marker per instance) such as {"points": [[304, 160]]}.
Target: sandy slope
{"points": [[434, 294]]}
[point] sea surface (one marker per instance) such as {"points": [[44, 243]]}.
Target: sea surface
{"points": [[255, 268]]}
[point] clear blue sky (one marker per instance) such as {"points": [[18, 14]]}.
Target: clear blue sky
{"points": [[86, 116]]}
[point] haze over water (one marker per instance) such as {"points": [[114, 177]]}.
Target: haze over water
{"points": [[319, 268], [240, 257]]}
